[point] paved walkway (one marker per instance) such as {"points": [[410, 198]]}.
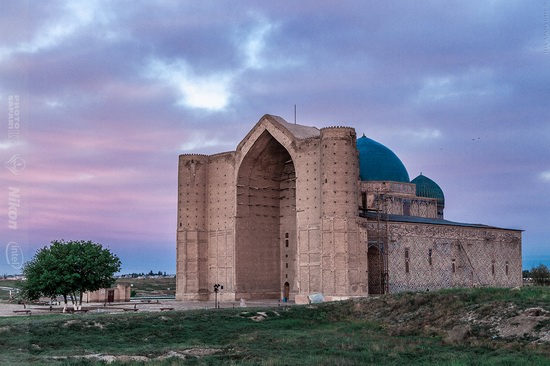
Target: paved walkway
{"points": [[7, 309]]}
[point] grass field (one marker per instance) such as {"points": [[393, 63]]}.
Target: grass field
{"points": [[151, 286], [4, 285], [142, 286], [405, 329]]}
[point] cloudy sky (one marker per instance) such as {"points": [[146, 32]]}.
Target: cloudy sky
{"points": [[98, 99]]}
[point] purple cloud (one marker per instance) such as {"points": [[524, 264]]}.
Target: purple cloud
{"points": [[112, 93]]}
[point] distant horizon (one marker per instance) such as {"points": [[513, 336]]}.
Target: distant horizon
{"points": [[528, 262]]}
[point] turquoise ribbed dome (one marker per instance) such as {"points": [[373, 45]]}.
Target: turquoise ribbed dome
{"points": [[377, 162], [425, 187]]}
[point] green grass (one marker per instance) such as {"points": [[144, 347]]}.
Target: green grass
{"points": [[151, 286], [5, 294], [10, 283], [142, 286], [345, 333]]}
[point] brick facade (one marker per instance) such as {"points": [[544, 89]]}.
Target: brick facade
{"points": [[281, 217]]}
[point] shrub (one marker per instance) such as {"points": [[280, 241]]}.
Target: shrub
{"points": [[541, 275]]}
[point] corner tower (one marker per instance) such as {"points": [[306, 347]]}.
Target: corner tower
{"points": [[339, 164], [342, 256], [192, 249]]}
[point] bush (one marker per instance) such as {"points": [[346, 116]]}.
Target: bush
{"points": [[540, 275]]}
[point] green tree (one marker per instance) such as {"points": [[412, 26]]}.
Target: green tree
{"points": [[69, 269], [540, 274]]}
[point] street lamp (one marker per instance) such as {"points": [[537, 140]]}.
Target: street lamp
{"points": [[217, 288]]}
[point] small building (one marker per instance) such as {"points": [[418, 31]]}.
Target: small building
{"points": [[296, 210], [120, 293]]}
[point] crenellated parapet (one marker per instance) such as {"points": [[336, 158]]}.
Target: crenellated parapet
{"points": [[338, 127], [194, 155]]}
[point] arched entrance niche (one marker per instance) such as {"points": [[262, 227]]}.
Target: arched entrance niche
{"points": [[376, 271], [265, 220], [286, 291]]}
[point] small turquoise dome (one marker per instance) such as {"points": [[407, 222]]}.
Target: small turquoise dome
{"points": [[377, 162], [425, 187]]}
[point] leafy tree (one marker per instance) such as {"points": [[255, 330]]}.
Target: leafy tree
{"points": [[69, 269], [540, 274]]}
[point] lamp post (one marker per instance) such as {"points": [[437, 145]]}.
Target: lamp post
{"points": [[217, 288]]}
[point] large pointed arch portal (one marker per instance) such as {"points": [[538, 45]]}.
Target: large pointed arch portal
{"points": [[265, 221]]}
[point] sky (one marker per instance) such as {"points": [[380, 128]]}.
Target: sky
{"points": [[98, 99]]}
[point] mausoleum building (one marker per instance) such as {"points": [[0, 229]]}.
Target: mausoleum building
{"points": [[296, 210]]}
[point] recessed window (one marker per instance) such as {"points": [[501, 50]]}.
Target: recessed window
{"points": [[493, 267], [407, 208], [430, 257], [453, 266], [407, 266], [506, 268]]}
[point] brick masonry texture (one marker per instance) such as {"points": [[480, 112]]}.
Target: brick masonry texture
{"points": [[280, 217]]}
